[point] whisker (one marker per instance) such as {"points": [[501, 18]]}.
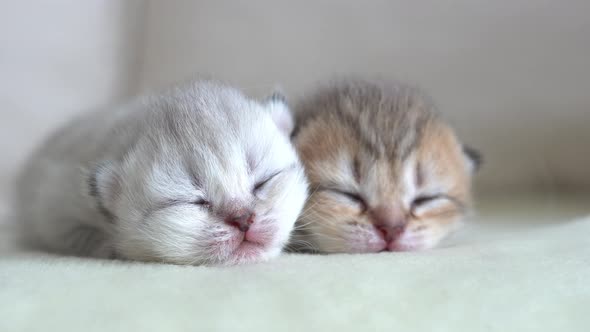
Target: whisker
{"points": [[300, 226], [325, 223], [297, 246], [308, 208]]}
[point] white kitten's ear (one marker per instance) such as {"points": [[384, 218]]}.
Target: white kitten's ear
{"points": [[473, 158], [280, 113], [104, 186]]}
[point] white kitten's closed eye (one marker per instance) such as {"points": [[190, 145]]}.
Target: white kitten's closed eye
{"points": [[263, 189], [201, 202], [261, 184]]}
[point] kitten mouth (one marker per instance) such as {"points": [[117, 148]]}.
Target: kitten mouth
{"points": [[366, 241], [369, 247], [255, 245], [247, 249], [251, 246], [253, 239], [414, 243]]}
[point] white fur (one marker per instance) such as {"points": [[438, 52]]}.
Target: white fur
{"points": [[150, 160]]}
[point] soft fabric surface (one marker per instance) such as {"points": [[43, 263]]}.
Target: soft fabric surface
{"points": [[532, 278]]}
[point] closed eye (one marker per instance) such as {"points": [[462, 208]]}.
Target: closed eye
{"points": [[426, 199], [259, 185], [200, 201], [354, 197], [176, 202], [421, 200]]}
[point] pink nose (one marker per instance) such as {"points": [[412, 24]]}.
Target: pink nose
{"points": [[241, 220], [390, 233], [391, 222]]}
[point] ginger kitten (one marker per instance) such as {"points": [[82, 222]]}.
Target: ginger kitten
{"points": [[386, 172]]}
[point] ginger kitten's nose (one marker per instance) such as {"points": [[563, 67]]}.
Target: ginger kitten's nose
{"points": [[390, 233], [241, 220], [391, 222]]}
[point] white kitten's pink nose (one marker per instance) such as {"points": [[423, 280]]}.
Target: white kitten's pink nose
{"points": [[241, 219]]}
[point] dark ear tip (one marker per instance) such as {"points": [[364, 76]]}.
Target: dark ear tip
{"points": [[278, 97], [474, 156]]}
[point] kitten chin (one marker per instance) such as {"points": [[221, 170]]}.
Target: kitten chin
{"points": [[386, 172], [199, 174]]}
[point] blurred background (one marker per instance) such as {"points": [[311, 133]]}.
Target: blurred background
{"points": [[512, 76]]}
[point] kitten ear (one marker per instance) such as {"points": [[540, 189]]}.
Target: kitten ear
{"points": [[473, 157], [280, 113], [104, 186]]}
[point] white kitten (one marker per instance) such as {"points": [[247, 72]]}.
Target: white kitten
{"points": [[197, 175]]}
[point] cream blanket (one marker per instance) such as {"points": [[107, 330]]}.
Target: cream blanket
{"points": [[488, 279]]}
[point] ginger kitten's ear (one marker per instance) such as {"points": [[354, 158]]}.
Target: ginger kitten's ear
{"points": [[104, 186], [473, 157], [280, 113]]}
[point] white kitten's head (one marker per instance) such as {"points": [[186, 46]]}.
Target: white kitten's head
{"points": [[212, 179]]}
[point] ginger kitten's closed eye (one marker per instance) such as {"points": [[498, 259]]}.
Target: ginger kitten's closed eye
{"points": [[386, 172]]}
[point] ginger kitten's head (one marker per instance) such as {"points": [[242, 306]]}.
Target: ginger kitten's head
{"points": [[385, 172]]}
